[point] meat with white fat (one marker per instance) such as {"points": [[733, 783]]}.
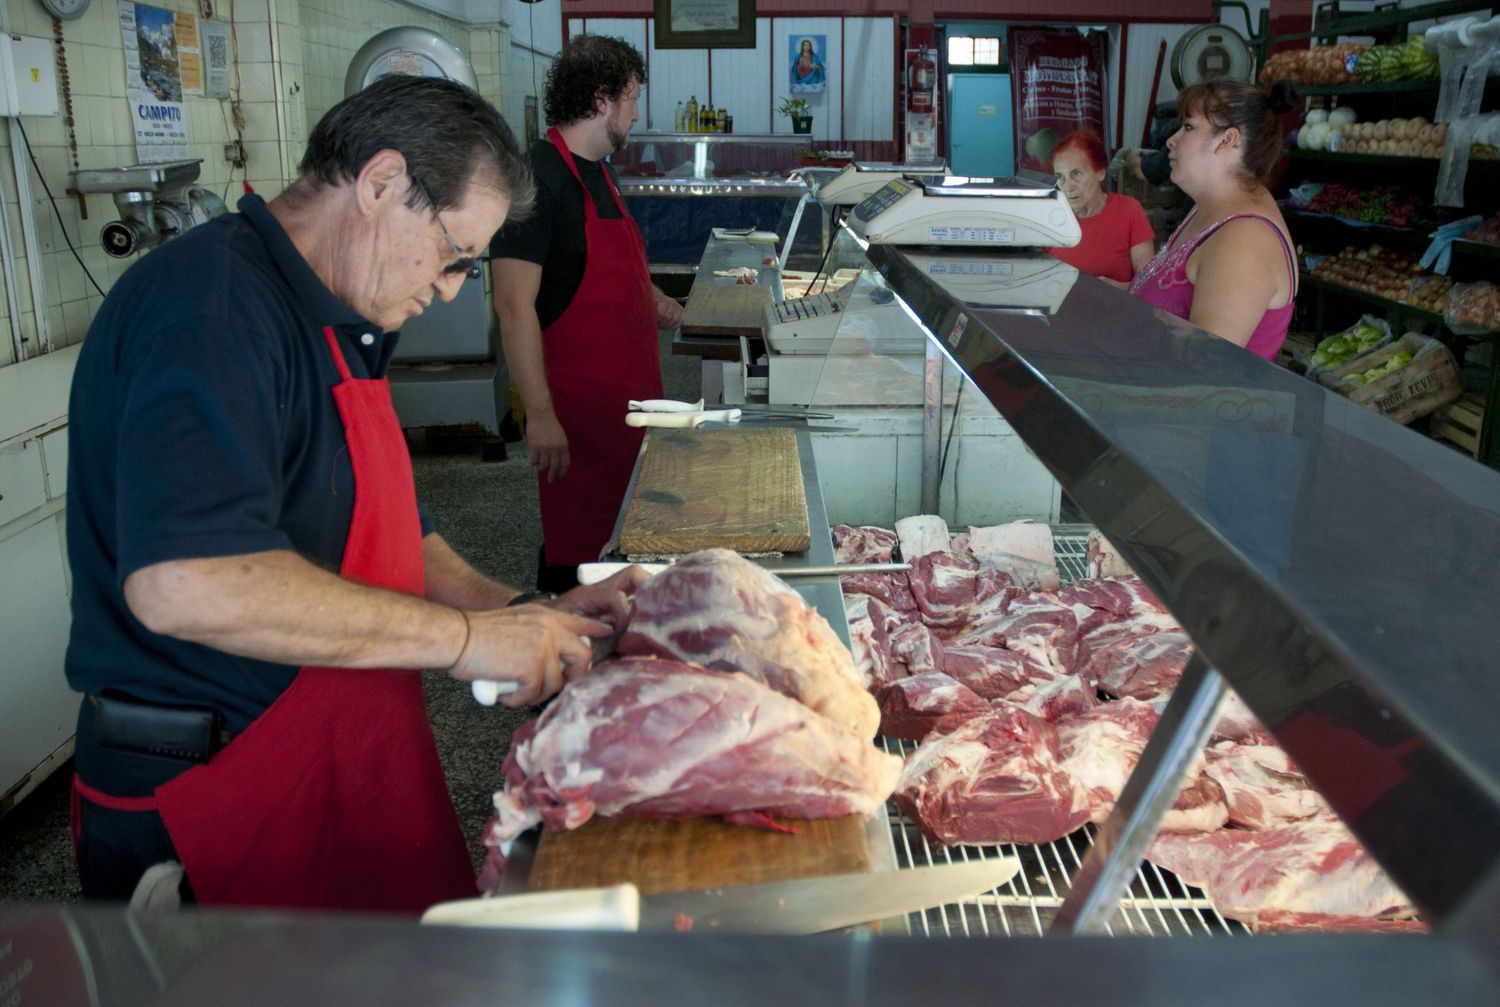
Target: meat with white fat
{"points": [[1261, 785], [944, 585], [717, 609], [863, 544], [997, 778], [652, 738], [911, 708], [1312, 868], [870, 623], [1139, 666], [1102, 559], [1023, 549], [921, 534]]}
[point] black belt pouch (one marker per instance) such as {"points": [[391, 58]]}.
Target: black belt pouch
{"points": [[122, 724]]}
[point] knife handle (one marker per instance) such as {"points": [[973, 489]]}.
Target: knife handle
{"points": [[616, 909], [487, 691], [666, 406], [663, 419]]}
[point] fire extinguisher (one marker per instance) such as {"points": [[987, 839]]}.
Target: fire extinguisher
{"points": [[921, 77]]}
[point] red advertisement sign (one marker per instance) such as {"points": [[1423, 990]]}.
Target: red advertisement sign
{"points": [[1057, 87]]}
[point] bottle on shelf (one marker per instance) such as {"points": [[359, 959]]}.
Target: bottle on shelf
{"points": [[679, 120], [706, 119], [692, 114], [722, 120]]}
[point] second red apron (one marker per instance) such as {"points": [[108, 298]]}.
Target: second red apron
{"points": [[600, 353]]}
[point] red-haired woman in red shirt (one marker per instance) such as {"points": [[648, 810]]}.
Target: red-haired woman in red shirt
{"points": [[1117, 239]]}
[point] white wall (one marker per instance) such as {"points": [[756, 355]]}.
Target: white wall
{"points": [[750, 83], [290, 61]]}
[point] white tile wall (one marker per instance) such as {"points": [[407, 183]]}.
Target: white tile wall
{"points": [[291, 55]]}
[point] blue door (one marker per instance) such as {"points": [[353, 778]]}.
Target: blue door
{"points": [[980, 138]]}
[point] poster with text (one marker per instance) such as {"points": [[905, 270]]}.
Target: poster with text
{"points": [[807, 56], [153, 82], [1057, 87]]}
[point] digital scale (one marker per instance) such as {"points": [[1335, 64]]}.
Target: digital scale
{"points": [[859, 180], [858, 319], [968, 212], [1032, 283]]}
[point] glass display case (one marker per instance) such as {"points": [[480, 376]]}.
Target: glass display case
{"points": [[710, 155], [1326, 563]]}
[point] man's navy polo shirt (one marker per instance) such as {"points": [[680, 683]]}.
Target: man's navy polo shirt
{"points": [[201, 424]]}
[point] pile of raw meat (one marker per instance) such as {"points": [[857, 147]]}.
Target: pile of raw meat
{"points": [[731, 697], [1033, 702]]}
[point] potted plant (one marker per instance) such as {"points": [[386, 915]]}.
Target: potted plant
{"points": [[797, 110]]}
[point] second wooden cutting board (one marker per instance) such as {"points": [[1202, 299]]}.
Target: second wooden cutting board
{"points": [[737, 489]]}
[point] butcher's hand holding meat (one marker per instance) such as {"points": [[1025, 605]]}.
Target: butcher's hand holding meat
{"points": [[719, 610]]}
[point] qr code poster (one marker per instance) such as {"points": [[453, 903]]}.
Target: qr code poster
{"points": [[215, 58]]}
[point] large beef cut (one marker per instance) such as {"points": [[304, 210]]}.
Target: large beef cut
{"points": [[911, 708], [864, 544], [1139, 666], [1312, 868], [1037, 627], [993, 672], [1022, 549], [870, 625], [1261, 785], [944, 585], [649, 738], [1100, 749], [995, 779], [921, 534], [717, 609], [1103, 559]]}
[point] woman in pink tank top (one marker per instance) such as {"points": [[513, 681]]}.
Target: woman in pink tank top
{"points": [[1229, 267]]}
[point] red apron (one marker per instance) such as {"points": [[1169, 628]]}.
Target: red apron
{"points": [[600, 353], [334, 797]]}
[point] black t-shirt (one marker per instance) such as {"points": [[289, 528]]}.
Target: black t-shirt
{"points": [[201, 424], [553, 236]]}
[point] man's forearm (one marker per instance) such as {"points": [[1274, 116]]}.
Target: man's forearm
{"points": [[452, 581], [276, 606]]}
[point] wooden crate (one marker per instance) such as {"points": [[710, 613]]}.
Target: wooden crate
{"points": [[1429, 382], [1296, 351], [1460, 422]]}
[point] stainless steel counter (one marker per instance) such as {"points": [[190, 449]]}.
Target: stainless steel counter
{"points": [[1337, 568], [62, 955]]}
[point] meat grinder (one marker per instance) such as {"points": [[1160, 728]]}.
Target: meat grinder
{"points": [[155, 202]]}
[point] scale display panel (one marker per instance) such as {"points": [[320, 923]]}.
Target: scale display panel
{"points": [[1031, 282], [974, 212], [859, 180]]}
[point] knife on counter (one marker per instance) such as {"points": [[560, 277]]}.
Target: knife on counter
{"points": [[799, 906]]}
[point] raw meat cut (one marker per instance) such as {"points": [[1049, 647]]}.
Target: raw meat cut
{"points": [[1272, 922], [651, 738], [1037, 627], [995, 779], [1021, 548], [1056, 700], [1103, 559], [992, 672], [1139, 666], [1261, 786], [1101, 747], [870, 642], [891, 588], [944, 584], [1311, 867], [865, 544], [922, 534], [912, 707], [913, 645], [994, 590], [717, 609]]}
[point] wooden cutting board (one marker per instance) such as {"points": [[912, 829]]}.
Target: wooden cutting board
{"points": [[737, 489], [727, 309], [696, 853]]}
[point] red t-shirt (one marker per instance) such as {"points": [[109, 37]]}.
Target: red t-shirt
{"points": [[1108, 237]]}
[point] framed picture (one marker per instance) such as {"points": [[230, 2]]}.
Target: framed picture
{"points": [[805, 64], [705, 24]]}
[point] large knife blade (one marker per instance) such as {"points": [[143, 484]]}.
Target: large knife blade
{"points": [[798, 906]]}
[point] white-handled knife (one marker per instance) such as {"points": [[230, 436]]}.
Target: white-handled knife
{"points": [[685, 420], [666, 406], [799, 906]]}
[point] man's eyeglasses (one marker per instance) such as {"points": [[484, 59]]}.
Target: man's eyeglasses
{"points": [[465, 265]]}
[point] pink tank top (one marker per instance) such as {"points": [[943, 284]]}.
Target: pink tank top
{"points": [[1164, 282]]}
